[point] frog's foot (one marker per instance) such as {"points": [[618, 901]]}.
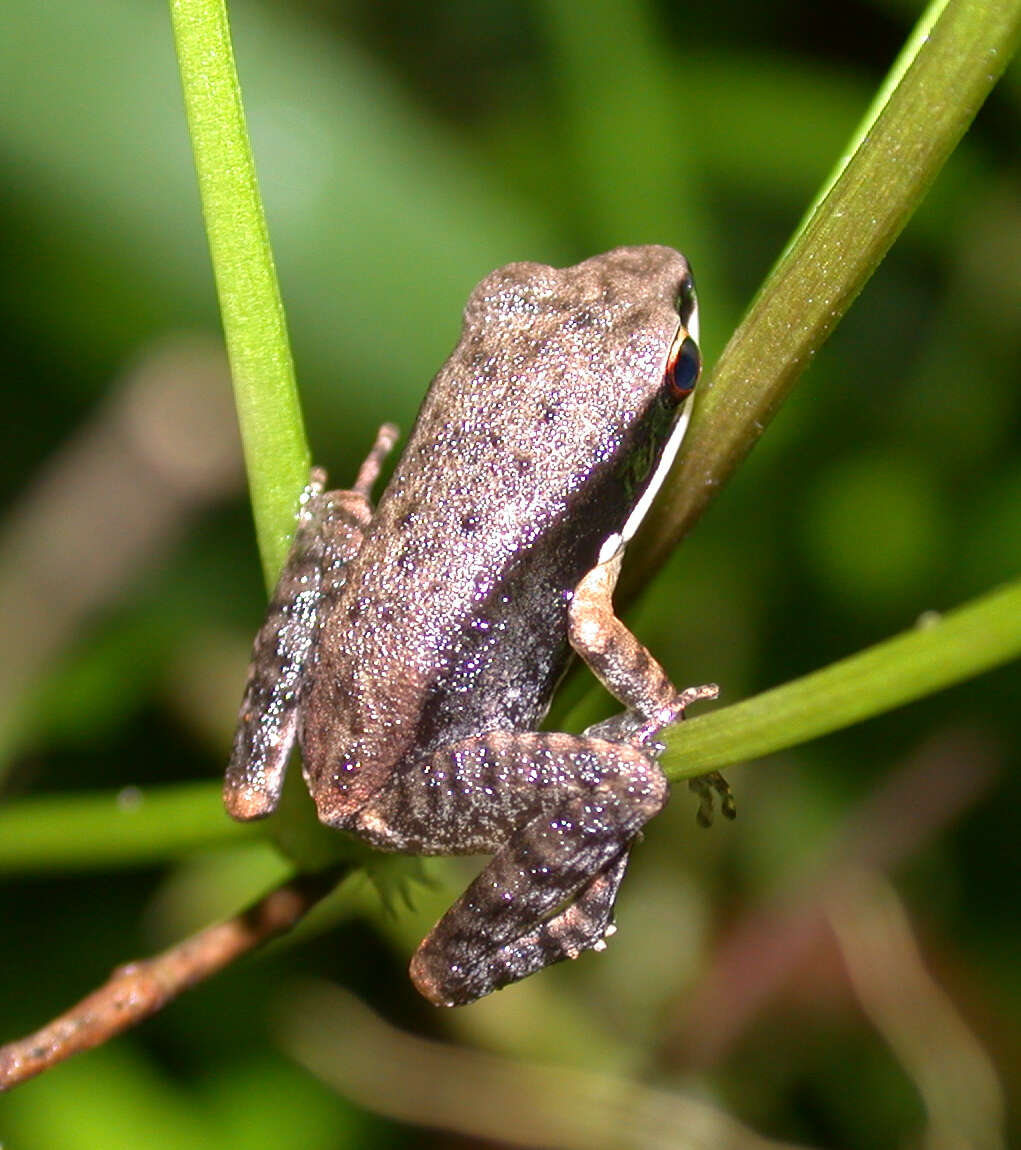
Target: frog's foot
{"points": [[368, 473], [641, 730], [706, 786], [644, 734]]}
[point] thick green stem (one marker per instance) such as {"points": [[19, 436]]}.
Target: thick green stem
{"points": [[897, 153]]}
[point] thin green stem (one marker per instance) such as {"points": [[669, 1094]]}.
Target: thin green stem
{"points": [[269, 411], [901, 147], [944, 650], [116, 828]]}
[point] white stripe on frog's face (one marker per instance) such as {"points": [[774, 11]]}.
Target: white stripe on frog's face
{"points": [[616, 543], [693, 318]]}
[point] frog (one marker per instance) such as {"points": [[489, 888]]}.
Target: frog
{"points": [[412, 648]]}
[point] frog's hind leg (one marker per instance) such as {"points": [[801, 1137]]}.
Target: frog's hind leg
{"points": [[583, 925], [498, 932], [567, 812]]}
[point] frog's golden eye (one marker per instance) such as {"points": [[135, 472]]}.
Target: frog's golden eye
{"points": [[683, 369]]}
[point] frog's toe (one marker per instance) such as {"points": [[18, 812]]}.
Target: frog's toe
{"points": [[707, 787], [430, 978]]}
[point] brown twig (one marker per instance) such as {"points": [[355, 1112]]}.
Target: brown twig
{"points": [[139, 989]]}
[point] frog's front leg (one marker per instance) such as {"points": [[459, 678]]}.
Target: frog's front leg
{"points": [[631, 673], [328, 535]]}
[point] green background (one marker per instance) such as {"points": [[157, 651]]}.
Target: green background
{"points": [[404, 150]]}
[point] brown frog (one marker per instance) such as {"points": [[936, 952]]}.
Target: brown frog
{"points": [[412, 650]]}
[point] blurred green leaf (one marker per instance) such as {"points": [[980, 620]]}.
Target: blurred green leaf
{"points": [[874, 529], [264, 1102], [111, 1098], [338, 146]]}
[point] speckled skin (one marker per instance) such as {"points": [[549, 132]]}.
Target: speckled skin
{"points": [[412, 651]]}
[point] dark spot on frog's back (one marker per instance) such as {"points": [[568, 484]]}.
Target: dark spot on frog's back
{"points": [[582, 320], [408, 557], [610, 294], [470, 523], [686, 300]]}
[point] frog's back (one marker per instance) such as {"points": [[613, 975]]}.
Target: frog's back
{"points": [[452, 621]]}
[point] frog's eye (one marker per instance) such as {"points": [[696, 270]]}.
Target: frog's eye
{"points": [[683, 370]]}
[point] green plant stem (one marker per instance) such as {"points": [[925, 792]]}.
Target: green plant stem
{"points": [[944, 650], [266, 395], [901, 146], [99, 831], [268, 408]]}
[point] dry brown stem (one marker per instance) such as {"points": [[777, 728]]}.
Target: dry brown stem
{"points": [[139, 989]]}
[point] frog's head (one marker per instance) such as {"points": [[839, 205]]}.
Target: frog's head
{"points": [[587, 371], [636, 361]]}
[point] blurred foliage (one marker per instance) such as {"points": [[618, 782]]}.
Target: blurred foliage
{"points": [[404, 150]]}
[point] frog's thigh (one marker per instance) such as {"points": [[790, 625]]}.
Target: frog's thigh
{"points": [[470, 797], [565, 809]]}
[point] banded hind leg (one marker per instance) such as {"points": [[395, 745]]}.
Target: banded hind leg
{"points": [[559, 811], [584, 924]]}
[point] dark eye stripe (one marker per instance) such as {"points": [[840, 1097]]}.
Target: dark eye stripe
{"points": [[686, 301]]}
